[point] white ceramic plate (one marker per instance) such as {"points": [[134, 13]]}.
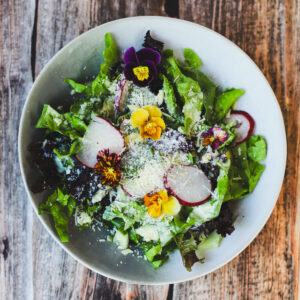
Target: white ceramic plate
{"points": [[230, 67]]}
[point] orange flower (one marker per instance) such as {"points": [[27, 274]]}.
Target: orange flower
{"points": [[161, 204], [149, 120], [109, 168]]}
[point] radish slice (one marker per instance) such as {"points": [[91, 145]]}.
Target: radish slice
{"points": [[99, 135], [121, 95], [188, 184], [131, 189], [244, 125]]}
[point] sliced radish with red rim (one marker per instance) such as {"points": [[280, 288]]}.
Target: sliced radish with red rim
{"points": [[244, 125], [188, 184], [100, 135]]}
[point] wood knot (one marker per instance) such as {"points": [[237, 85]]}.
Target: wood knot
{"points": [[4, 247]]}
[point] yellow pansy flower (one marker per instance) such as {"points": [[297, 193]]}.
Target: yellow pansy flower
{"points": [[148, 119], [161, 203]]}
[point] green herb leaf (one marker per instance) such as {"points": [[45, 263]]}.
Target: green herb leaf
{"points": [[77, 87], [192, 60], [225, 101], [257, 148]]}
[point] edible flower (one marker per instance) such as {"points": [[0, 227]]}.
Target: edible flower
{"points": [[140, 67], [161, 204], [214, 137], [148, 119], [108, 167]]}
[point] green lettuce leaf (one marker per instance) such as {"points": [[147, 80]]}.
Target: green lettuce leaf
{"points": [[188, 90], [110, 55], [225, 101], [245, 170], [209, 89], [65, 124], [192, 60], [170, 99], [256, 170], [78, 87], [257, 148], [239, 173], [212, 241], [55, 206], [152, 252]]}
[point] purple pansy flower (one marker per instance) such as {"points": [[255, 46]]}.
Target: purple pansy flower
{"points": [[214, 137], [140, 67]]}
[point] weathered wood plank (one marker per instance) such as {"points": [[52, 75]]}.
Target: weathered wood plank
{"points": [[269, 32], [58, 22], [16, 21]]}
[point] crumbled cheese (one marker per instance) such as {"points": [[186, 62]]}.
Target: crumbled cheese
{"points": [[239, 151], [159, 98], [143, 96], [102, 192], [148, 232], [206, 158], [82, 218], [126, 251]]}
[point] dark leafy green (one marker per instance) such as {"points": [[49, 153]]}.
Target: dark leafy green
{"points": [[245, 170], [65, 155]]}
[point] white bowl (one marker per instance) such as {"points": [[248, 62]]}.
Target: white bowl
{"points": [[229, 66]]}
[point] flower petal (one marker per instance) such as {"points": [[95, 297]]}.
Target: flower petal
{"points": [[143, 83], [163, 195], [219, 134], [149, 200], [130, 56], [215, 144], [139, 117], [128, 71], [157, 134], [148, 54], [152, 68], [159, 121], [171, 207], [155, 210], [153, 110], [208, 140]]}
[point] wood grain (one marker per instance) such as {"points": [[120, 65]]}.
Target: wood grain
{"points": [[268, 32], [16, 21], [31, 32]]}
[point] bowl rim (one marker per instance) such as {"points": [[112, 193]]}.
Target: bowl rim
{"points": [[184, 22]]}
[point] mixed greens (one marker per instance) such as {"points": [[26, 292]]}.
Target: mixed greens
{"points": [[152, 149]]}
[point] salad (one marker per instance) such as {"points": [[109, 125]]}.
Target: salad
{"points": [[152, 149]]}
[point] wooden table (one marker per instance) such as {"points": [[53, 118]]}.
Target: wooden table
{"points": [[32, 265]]}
